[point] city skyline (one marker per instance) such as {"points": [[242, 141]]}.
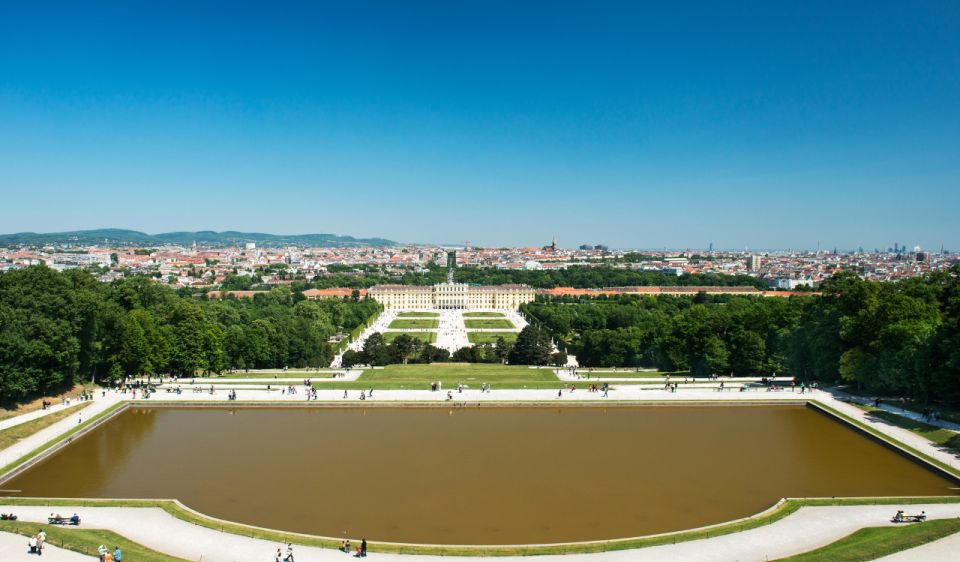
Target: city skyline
{"points": [[755, 126], [238, 237]]}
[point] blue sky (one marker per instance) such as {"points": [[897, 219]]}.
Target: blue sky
{"points": [[635, 124]]}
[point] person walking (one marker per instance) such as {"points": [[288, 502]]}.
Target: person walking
{"points": [[363, 548], [117, 554]]}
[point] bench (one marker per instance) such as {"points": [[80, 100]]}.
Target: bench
{"points": [[901, 517], [64, 520]]}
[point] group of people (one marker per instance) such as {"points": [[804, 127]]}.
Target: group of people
{"points": [[57, 519], [361, 549], [37, 542], [902, 517], [363, 394], [280, 557], [107, 556], [929, 414]]}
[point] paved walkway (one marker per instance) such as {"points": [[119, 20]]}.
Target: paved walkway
{"points": [[35, 414], [893, 409], [804, 530], [13, 548]]}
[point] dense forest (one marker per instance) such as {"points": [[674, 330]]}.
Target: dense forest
{"points": [[60, 328], [897, 338]]}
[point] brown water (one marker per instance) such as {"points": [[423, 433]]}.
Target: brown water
{"points": [[480, 475]]}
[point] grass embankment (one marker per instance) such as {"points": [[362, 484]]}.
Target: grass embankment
{"points": [[409, 324], [427, 337], [86, 541], [417, 314], [874, 542], [483, 315], [491, 337], [11, 436], [947, 439], [494, 324]]}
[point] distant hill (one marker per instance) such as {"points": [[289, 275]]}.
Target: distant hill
{"points": [[121, 237]]}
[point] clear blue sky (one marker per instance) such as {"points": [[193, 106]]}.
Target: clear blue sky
{"points": [[635, 124]]}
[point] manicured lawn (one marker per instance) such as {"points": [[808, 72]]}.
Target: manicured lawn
{"points": [[625, 373], [496, 324], [401, 324], [14, 434], [940, 436], [428, 337], [874, 542], [418, 314], [483, 315], [491, 337], [86, 541], [449, 374]]}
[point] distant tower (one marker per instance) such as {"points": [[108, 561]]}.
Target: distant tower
{"points": [[711, 246], [553, 244]]}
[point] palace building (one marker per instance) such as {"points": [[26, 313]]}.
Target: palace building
{"points": [[457, 296]]}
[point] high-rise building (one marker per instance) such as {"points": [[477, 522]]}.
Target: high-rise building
{"points": [[754, 263]]}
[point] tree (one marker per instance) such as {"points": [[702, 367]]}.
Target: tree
{"points": [[533, 347], [375, 350]]}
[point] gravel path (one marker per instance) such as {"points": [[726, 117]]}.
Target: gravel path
{"points": [[807, 529], [13, 548]]}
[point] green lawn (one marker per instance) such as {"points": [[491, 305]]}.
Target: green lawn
{"points": [[943, 437], [874, 542], [494, 324], [86, 541], [491, 337], [428, 337], [483, 315], [400, 324], [500, 376], [14, 434], [418, 314]]}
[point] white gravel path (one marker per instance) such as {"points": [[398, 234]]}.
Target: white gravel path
{"points": [[804, 530], [13, 548]]}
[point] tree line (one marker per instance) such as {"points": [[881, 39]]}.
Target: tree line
{"points": [[60, 328], [533, 346], [893, 338]]}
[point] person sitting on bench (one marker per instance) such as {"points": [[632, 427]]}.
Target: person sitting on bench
{"points": [[75, 520]]}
